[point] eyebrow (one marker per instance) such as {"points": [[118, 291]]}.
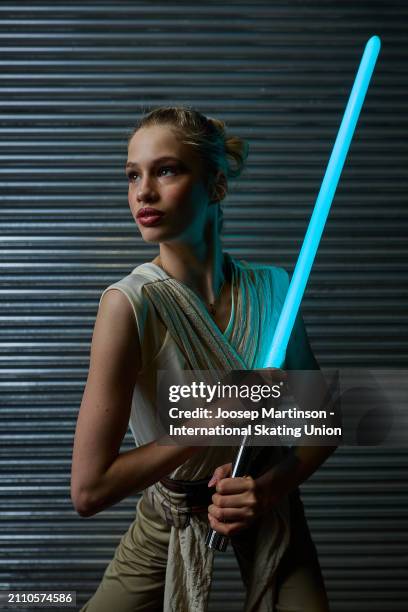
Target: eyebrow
{"points": [[131, 164]]}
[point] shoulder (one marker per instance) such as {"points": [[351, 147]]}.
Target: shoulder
{"points": [[280, 276], [277, 276], [131, 285], [128, 299], [243, 264], [116, 334]]}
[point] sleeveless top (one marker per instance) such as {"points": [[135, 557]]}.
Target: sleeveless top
{"points": [[261, 292]]}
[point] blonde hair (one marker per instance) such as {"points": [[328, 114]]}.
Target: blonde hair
{"points": [[217, 149]]}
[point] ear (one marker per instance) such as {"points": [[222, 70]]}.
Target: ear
{"points": [[219, 187]]}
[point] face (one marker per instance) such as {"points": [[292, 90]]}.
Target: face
{"points": [[166, 177]]}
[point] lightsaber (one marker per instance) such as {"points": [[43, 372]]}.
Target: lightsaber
{"points": [[291, 305]]}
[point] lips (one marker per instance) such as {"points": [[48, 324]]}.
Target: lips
{"points": [[149, 216], [149, 212]]}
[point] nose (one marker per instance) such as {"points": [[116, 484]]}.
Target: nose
{"points": [[146, 191]]}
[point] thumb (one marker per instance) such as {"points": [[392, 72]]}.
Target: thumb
{"points": [[224, 471]]}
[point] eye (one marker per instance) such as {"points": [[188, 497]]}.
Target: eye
{"points": [[162, 171], [131, 176], [166, 169]]}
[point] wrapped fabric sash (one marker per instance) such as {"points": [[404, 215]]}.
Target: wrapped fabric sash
{"points": [[189, 565]]}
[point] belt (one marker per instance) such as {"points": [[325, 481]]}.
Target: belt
{"points": [[198, 493]]}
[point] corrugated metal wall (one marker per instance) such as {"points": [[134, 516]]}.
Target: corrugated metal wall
{"points": [[74, 78]]}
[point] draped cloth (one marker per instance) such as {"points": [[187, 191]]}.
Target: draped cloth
{"points": [[205, 347]]}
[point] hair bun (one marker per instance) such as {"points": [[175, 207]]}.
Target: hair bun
{"points": [[217, 124], [236, 148]]}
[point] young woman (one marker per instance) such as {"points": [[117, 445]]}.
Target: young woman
{"points": [[192, 307]]}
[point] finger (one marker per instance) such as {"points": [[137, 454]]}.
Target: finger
{"points": [[223, 471], [239, 500], [231, 515], [226, 529], [228, 486]]}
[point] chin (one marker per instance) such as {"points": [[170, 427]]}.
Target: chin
{"points": [[149, 234], [155, 235], [147, 237]]}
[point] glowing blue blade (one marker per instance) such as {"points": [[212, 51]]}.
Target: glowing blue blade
{"points": [[276, 355]]}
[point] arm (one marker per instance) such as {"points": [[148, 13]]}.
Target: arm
{"points": [[101, 476]]}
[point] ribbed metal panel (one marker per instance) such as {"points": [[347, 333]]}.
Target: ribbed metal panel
{"points": [[75, 77]]}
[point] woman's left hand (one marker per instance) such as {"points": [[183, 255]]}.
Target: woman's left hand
{"points": [[236, 503]]}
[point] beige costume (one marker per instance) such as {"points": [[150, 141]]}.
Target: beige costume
{"points": [[165, 536]]}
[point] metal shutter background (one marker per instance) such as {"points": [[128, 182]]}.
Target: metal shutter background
{"points": [[74, 78]]}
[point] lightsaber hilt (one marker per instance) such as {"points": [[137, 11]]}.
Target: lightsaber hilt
{"points": [[241, 466], [215, 540]]}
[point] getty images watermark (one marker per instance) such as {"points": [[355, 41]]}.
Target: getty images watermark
{"points": [[353, 407]]}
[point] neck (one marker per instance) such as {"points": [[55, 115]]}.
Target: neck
{"points": [[200, 265], [203, 270]]}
